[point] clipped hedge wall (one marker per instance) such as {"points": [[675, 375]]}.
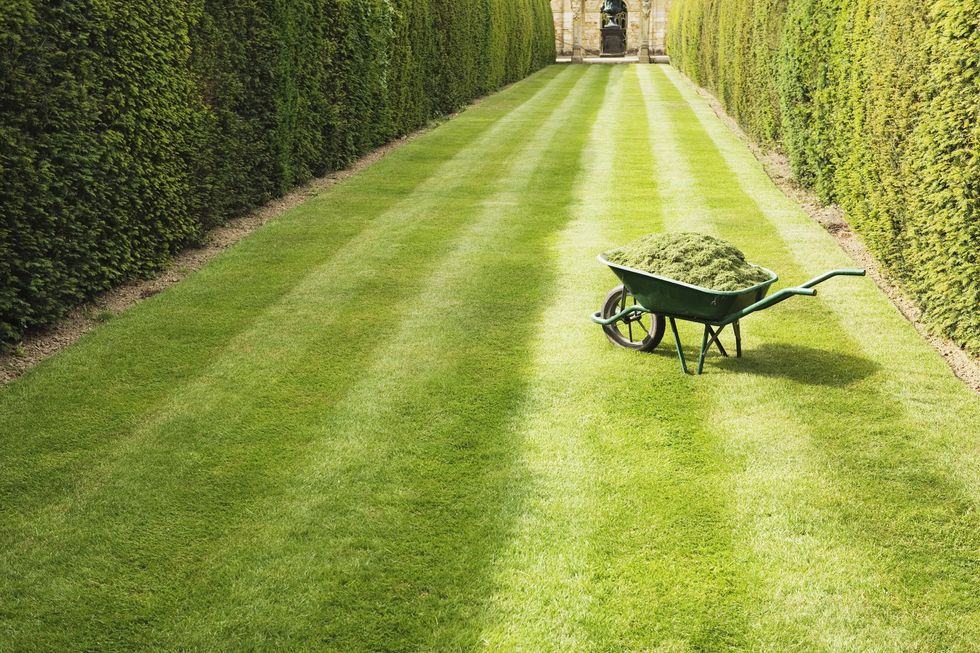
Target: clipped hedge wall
{"points": [[128, 129], [877, 105]]}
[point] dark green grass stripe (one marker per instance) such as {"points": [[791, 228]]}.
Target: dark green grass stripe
{"points": [[194, 321], [143, 529], [110, 383], [406, 504], [897, 505]]}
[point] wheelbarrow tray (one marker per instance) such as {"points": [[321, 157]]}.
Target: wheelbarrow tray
{"points": [[673, 298]]}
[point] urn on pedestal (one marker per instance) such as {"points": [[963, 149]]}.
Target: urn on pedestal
{"points": [[613, 15]]}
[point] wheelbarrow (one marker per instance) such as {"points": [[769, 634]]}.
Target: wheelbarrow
{"points": [[634, 315]]}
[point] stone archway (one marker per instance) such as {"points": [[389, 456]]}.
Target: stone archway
{"points": [[577, 29]]}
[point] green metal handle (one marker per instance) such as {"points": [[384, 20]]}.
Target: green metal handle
{"points": [[598, 319], [847, 272], [786, 293], [771, 300]]}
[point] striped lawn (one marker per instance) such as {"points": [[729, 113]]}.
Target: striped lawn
{"points": [[384, 422]]}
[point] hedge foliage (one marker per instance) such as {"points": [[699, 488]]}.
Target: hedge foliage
{"points": [[877, 105], [127, 129]]}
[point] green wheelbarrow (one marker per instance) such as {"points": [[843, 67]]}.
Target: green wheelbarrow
{"points": [[635, 314]]}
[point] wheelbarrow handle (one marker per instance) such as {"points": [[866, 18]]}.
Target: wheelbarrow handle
{"points": [[786, 293], [598, 319], [771, 300], [848, 272]]}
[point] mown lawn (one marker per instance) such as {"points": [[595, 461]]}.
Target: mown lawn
{"points": [[385, 422]]}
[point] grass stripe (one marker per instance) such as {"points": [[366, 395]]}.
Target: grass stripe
{"points": [[418, 490], [586, 566], [860, 491], [272, 387], [679, 196], [541, 597]]}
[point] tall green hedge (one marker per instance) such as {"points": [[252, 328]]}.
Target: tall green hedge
{"points": [[128, 128], [877, 105]]}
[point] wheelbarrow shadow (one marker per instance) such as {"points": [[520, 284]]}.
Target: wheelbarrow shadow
{"points": [[805, 365]]}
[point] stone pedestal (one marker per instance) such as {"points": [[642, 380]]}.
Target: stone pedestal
{"points": [[643, 56], [613, 41], [578, 53]]}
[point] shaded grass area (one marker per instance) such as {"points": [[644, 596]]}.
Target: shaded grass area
{"points": [[384, 422]]}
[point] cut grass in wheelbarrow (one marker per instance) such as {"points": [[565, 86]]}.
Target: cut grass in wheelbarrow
{"points": [[634, 315], [690, 257]]}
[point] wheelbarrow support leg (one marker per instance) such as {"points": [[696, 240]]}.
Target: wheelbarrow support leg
{"points": [[704, 348], [714, 339], [738, 339], [677, 342]]}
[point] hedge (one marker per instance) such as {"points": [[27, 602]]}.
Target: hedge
{"points": [[877, 105], [128, 129]]}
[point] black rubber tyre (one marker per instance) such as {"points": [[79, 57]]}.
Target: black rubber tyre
{"points": [[640, 331]]}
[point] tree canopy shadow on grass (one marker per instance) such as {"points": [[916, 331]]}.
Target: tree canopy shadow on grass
{"points": [[807, 365]]}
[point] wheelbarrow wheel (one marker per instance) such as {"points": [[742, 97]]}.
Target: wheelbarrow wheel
{"points": [[639, 331]]}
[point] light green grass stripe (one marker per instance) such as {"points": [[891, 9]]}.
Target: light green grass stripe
{"points": [[541, 577], [598, 561], [418, 354], [681, 200], [683, 206], [669, 575], [781, 474], [845, 499], [945, 411]]}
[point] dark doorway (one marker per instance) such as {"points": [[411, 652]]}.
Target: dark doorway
{"points": [[613, 17]]}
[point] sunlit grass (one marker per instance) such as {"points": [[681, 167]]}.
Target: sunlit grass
{"points": [[385, 422]]}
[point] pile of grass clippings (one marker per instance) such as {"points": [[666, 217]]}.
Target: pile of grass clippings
{"points": [[692, 258]]}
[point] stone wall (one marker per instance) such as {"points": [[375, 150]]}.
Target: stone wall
{"points": [[563, 26]]}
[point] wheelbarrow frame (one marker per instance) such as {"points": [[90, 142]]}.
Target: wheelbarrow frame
{"points": [[714, 309]]}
